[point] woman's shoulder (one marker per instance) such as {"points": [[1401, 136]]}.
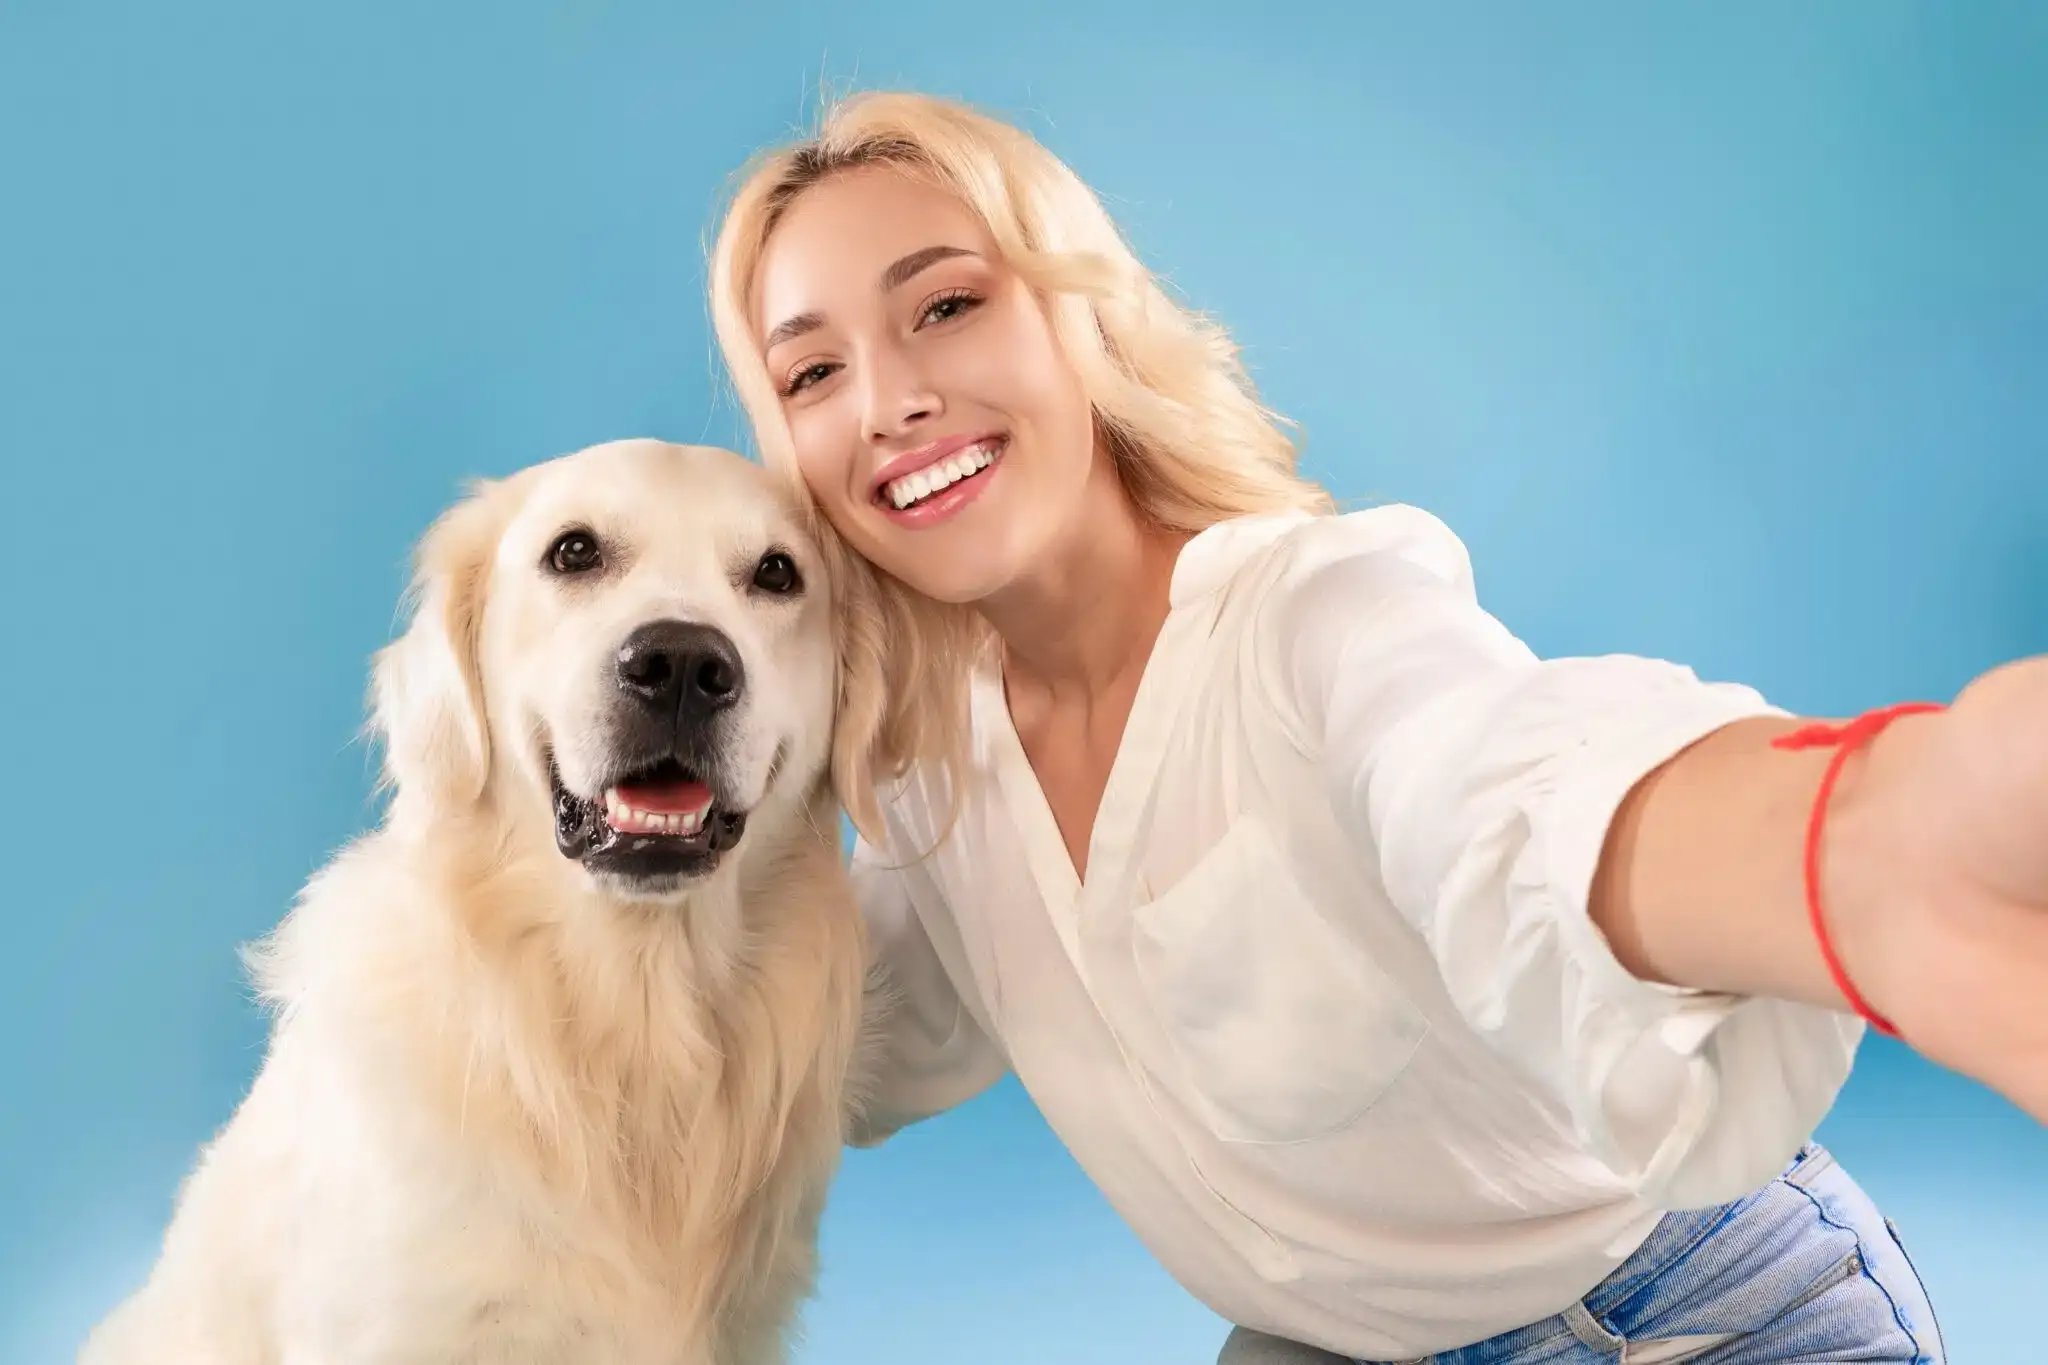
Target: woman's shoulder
{"points": [[1394, 534], [1267, 563]]}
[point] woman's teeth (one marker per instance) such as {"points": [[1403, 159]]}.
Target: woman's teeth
{"points": [[912, 489]]}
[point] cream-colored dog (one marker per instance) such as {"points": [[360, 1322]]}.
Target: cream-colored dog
{"points": [[563, 1049]]}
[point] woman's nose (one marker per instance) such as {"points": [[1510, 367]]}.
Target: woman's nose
{"points": [[899, 398]]}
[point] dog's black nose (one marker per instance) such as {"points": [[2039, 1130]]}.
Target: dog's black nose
{"points": [[681, 668]]}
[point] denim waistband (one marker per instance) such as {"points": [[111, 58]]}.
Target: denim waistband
{"points": [[1678, 1233]]}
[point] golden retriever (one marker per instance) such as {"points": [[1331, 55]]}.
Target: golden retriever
{"points": [[563, 1049]]}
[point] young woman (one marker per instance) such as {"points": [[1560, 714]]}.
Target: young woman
{"points": [[1412, 997]]}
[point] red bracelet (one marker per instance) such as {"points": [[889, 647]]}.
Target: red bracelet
{"points": [[1846, 738]]}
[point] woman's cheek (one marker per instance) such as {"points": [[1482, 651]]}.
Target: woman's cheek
{"points": [[816, 462]]}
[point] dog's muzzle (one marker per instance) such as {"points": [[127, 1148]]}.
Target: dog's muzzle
{"points": [[657, 817]]}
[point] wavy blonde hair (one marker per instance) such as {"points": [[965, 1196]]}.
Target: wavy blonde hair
{"points": [[1174, 407]]}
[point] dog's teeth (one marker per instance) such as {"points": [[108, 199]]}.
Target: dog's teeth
{"points": [[628, 819]]}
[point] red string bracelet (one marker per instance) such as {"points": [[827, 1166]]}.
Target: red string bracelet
{"points": [[1846, 738]]}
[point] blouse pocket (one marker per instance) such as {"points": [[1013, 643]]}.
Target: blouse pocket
{"points": [[1284, 1028]]}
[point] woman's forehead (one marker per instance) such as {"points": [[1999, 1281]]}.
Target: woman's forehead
{"points": [[840, 239]]}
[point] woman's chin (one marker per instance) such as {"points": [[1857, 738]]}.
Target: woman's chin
{"points": [[960, 569], [970, 589], [966, 578]]}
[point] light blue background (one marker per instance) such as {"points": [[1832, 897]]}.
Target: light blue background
{"points": [[1712, 329]]}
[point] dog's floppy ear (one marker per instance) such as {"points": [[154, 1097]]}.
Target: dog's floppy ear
{"points": [[427, 698]]}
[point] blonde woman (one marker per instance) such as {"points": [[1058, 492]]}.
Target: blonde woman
{"points": [[1412, 997]]}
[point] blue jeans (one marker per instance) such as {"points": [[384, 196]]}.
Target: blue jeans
{"points": [[1805, 1270]]}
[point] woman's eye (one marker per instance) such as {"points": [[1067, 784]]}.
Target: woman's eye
{"points": [[804, 378], [947, 307]]}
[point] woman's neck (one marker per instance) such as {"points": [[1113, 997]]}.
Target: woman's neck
{"points": [[1086, 620]]}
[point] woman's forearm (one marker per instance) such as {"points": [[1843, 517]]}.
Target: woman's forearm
{"points": [[1701, 883]]}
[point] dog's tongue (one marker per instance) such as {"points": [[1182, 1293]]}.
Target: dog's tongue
{"points": [[676, 797]]}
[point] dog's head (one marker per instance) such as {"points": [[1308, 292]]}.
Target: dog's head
{"points": [[634, 646]]}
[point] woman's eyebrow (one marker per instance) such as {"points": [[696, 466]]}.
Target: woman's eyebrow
{"points": [[895, 275], [902, 270], [791, 328]]}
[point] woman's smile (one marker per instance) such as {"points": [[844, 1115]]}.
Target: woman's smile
{"points": [[933, 483]]}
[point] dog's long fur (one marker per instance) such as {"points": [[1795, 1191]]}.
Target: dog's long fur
{"points": [[510, 1115]]}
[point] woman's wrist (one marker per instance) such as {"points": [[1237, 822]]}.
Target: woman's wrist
{"points": [[1703, 879], [1872, 863]]}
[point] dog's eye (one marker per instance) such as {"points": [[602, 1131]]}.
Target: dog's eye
{"points": [[777, 573], [574, 552]]}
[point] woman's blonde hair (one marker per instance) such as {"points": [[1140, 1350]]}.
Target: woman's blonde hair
{"points": [[1174, 407]]}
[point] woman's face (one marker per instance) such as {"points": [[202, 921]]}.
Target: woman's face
{"points": [[934, 415]]}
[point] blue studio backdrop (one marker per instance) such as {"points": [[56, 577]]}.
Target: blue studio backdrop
{"points": [[1712, 329]]}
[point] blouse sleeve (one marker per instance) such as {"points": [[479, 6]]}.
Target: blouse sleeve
{"points": [[1482, 780], [927, 1052]]}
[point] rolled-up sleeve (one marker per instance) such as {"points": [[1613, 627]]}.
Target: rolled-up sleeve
{"points": [[926, 1052], [1483, 780]]}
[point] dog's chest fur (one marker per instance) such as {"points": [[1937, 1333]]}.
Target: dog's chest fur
{"points": [[601, 1137]]}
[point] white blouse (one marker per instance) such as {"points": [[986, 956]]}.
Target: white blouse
{"points": [[1327, 1021]]}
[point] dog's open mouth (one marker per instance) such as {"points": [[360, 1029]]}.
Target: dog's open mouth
{"points": [[657, 823], [665, 799]]}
